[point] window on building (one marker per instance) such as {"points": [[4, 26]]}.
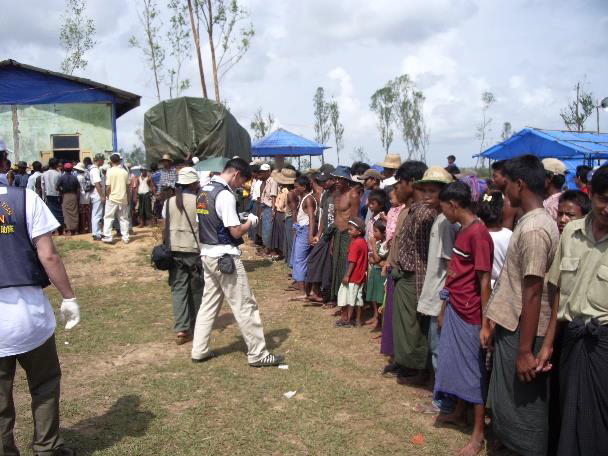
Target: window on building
{"points": [[66, 147]]}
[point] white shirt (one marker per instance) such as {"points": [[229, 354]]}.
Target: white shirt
{"points": [[256, 189], [31, 182], [49, 180], [225, 207], [501, 243], [26, 317], [95, 176], [388, 182]]}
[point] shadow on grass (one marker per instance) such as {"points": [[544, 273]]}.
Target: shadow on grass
{"points": [[274, 340], [252, 265], [123, 419]]}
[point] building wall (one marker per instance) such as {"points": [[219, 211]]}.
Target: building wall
{"points": [[93, 121]]}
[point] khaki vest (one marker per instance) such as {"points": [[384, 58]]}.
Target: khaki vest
{"points": [[182, 239]]}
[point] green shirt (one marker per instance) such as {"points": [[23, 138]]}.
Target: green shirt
{"points": [[580, 270]]}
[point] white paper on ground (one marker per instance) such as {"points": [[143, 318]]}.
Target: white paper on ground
{"points": [[289, 394], [283, 366]]}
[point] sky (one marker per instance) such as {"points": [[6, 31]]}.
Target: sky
{"points": [[528, 53]]}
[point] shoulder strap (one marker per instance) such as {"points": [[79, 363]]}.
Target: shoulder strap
{"points": [[167, 223]]}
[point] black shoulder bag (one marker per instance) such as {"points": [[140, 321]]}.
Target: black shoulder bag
{"points": [[162, 257]]}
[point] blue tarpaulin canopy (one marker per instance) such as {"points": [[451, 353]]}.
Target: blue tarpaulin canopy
{"points": [[283, 142], [573, 148]]}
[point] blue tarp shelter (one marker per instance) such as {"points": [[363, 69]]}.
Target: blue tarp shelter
{"points": [[287, 144], [573, 148]]}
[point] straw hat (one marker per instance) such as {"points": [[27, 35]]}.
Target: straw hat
{"points": [[436, 174], [166, 157], [555, 166], [187, 175], [285, 177], [80, 167], [391, 161]]}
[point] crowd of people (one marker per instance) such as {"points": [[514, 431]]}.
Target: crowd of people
{"points": [[473, 287], [490, 292]]}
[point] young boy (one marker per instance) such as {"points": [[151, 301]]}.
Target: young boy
{"points": [[461, 370], [350, 294], [573, 205], [378, 251], [376, 202], [519, 308]]}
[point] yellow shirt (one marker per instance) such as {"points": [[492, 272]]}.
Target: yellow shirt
{"points": [[580, 270], [118, 180]]}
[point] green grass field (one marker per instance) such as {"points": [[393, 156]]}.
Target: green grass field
{"points": [[127, 389]]}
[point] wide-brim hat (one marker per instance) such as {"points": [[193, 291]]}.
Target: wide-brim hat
{"points": [[342, 173], [166, 157], [555, 166], [436, 175], [187, 175], [285, 177], [80, 167], [391, 161]]}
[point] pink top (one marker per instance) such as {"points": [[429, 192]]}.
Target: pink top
{"points": [[391, 221]]}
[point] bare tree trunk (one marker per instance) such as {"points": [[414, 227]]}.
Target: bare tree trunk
{"points": [[578, 125], [216, 83], [197, 45], [152, 52], [16, 154]]}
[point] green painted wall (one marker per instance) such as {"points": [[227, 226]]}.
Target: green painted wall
{"points": [[93, 121]]}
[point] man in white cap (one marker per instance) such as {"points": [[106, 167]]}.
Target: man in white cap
{"points": [[117, 201], [30, 262], [220, 234], [555, 178], [391, 164]]}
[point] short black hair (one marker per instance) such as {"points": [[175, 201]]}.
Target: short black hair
{"points": [[489, 209], [115, 158], [255, 168], [599, 181], [289, 166], [53, 162], [530, 170], [451, 157], [240, 165], [577, 197], [304, 181], [154, 167], [557, 180], [411, 170], [378, 196], [87, 161], [380, 225], [582, 171], [499, 166], [358, 168], [458, 192], [37, 166]]}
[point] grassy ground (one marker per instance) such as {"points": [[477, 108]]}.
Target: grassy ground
{"points": [[127, 389]]}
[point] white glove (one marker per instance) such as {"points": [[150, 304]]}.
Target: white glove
{"points": [[70, 313], [253, 219]]}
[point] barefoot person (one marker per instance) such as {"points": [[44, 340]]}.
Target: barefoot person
{"points": [[346, 203], [29, 262], [220, 234]]}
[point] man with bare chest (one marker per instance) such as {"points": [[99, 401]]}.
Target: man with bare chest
{"points": [[346, 202]]}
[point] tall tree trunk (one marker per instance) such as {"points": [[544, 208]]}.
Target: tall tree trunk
{"points": [[216, 83], [197, 45], [578, 124], [16, 152], [152, 52]]}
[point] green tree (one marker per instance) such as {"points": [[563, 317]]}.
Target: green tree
{"points": [[336, 126], [178, 37], [578, 111], [409, 117], [152, 46], [322, 122], [507, 131], [136, 156], [76, 36], [228, 42], [484, 127], [261, 125], [383, 104]]}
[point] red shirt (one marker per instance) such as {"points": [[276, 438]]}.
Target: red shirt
{"points": [[357, 253], [473, 251]]}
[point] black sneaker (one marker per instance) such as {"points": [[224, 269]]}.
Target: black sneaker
{"points": [[269, 361], [206, 358]]}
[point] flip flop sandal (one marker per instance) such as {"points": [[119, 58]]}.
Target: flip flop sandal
{"points": [[181, 339], [426, 409]]}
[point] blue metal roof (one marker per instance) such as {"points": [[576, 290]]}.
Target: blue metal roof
{"points": [[551, 143], [22, 84], [283, 142]]}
